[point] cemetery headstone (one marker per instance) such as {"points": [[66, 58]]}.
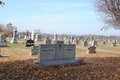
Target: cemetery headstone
{"points": [[47, 41], [104, 42], [19, 37], [33, 34], [3, 42], [29, 43], [74, 41], [91, 49], [85, 43], [61, 39], [71, 39], [55, 39], [77, 42], [25, 37], [108, 41], [114, 44], [38, 37], [34, 50], [14, 39], [58, 38], [94, 43], [68, 41], [91, 38], [56, 54]]}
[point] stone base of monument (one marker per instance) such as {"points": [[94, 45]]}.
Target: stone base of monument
{"points": [[59, 62], [90, 52], [3, 56], [14, 41], [3, 44]]}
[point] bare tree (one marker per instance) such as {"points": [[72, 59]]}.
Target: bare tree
{"points": [[19, 33], [23, 33], [109, 10], [37, 31], [2, 27], [8, 30]]}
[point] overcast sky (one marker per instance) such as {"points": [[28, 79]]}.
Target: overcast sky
{"points": [[54, 16]]}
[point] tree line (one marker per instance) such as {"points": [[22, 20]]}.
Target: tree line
{"points": [[8, 30]]}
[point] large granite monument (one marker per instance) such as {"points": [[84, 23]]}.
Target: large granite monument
{"points": [[56, 54]]}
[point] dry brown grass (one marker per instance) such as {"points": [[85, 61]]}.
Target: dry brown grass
{"points": [[102, 65]]}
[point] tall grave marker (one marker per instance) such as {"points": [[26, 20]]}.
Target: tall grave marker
{"points": [[91, 39], [55, 39], [33, 34], [14, 39]]}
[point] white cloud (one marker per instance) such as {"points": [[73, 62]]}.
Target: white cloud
{"points": [[85, 12], [55, 4], [15, 20], [65, 17], [53, 9], [53, 18], [61, 4]]}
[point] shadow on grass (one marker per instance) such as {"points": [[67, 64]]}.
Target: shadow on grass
{"points": [[26, 68]]}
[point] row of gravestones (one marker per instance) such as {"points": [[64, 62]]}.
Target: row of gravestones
{"points": [[30, 43], [19, 37], [37, 38], [91, 39], [15, 36], [56, 53], [34, 51]]}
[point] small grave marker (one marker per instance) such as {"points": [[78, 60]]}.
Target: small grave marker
{"points": [[114, 44], [85, 43], [34, 50], [91, 49], [29, 43]]}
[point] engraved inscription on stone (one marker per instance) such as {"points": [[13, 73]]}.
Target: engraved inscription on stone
{"points": [[48, 50], [35, 50], [69, 50]]}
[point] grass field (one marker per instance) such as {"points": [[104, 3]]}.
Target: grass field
{"points": [[105, 64]]}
